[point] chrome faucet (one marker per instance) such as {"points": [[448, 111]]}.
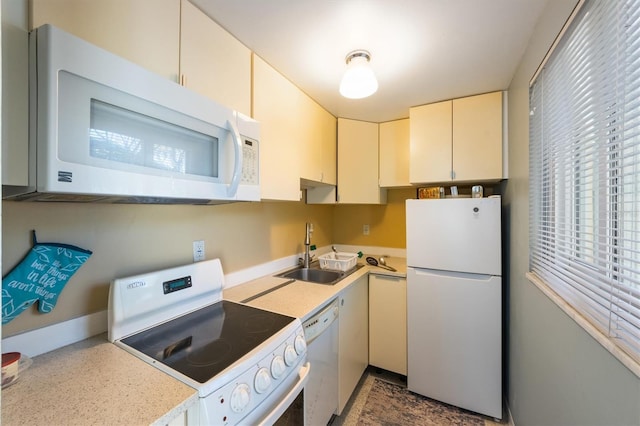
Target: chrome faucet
{"points": [[307, 243]]}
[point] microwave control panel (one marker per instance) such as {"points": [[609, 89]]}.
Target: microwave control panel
{"points": [[250, 162]]}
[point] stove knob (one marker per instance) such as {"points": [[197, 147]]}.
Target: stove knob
{"points": [[290, 355], [240, 397], [300, 344], [277, 367], [262, 381]]}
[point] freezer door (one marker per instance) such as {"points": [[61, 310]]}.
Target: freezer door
{"points": [[457, 234], [454, 339]]}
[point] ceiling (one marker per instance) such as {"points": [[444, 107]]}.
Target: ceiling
{"points": [[422, 51]]}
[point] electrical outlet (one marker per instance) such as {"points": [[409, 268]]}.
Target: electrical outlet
{"points": [[365, 229], [198, 251]]}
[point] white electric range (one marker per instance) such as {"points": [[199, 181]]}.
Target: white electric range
{"points": [[248, 365]]}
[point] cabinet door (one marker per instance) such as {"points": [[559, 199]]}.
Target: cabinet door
{"points": [[15, 93], [430, 143], [318, 144], [358, 163], [353, 337], [326, 128], [275, 103], [146, 32], [322, 161], [388, 323], [213, 62], [477, 137], [394, 153]]}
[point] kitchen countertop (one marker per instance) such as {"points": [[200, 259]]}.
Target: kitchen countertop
{"points": [[303, 299], [94, 382]]}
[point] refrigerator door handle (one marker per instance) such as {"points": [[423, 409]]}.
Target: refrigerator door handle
{"points": [[477, 277]]}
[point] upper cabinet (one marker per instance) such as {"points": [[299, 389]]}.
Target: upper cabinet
{"points": [[457, 141], [274, 99], [477, 137], [146, 32], [15, 93], [358, 163], [172, 38], [319, 145], [212, 61], [430, 142], [297, 135], [394, 153]]}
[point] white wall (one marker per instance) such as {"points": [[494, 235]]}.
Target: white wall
{"points": [[558, 374]]}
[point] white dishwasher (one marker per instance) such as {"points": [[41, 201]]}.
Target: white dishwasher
{"points": [[321, 392]]}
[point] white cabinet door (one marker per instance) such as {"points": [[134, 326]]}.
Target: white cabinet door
{"points": [[388, 323], [394, 153], [15, 93], [213, 62], [323, 158], [318, 142], [353, 339], [358, 163], [275, 99], [146, 32], [430, 143], [477, 137]]}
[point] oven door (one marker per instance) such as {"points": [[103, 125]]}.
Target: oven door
{"points": [[288, 410]]}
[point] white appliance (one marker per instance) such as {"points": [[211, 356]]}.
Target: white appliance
{"points": [[454, 302], [321, 393], [247, 365], [104, 129]]}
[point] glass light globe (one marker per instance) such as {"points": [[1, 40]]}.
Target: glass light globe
{"points": [[358, 81]]}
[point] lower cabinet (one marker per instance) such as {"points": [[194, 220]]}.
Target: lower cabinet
{"points": [[388, 323], [353, 338]]}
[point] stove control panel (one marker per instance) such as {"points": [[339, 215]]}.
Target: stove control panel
{"points": [[264, 383]]}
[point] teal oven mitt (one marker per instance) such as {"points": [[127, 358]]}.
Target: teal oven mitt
{"points": [[40, 276]]}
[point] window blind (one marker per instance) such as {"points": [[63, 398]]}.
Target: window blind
{"points": [[585, 169]]}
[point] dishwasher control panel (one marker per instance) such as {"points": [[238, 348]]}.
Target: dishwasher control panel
{"points": [[315, 325]]}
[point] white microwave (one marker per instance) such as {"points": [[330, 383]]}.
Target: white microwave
{"points": [[104, 129]]}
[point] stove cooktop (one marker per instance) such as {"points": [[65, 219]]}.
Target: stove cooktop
{"points": [[203, 343]]}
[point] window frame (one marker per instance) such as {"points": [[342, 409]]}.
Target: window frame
{"points": [[596, 196]]}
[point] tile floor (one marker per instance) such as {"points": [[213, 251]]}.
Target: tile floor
{"points": [[352, 410]]}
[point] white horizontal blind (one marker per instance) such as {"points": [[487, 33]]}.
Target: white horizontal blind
{"points": [[585, 169]]}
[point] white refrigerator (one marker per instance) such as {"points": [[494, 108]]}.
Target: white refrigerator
{"points": [[454, 302]]}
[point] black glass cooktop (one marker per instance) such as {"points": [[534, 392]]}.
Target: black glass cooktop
{"points": [[205, 342]]}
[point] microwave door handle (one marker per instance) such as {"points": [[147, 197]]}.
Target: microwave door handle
{"points": [[237, 168]]}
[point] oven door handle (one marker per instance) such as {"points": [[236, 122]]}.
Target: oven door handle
{"points": [[303, 378]]}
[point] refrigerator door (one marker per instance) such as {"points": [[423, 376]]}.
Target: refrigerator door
{"points": [[457, 234], [454, 339]]}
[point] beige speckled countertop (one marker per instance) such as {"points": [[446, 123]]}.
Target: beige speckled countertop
{"points": [[302, 299], [94, 382]]}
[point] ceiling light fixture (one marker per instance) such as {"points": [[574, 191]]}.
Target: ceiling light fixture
{"points": [[358, 80]]}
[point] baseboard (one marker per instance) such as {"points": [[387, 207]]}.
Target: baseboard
{"points": [[35, 342], [509, 416]]}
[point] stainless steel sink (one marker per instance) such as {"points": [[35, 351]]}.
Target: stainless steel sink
{"points": [[317, 275], [312, 275]]}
